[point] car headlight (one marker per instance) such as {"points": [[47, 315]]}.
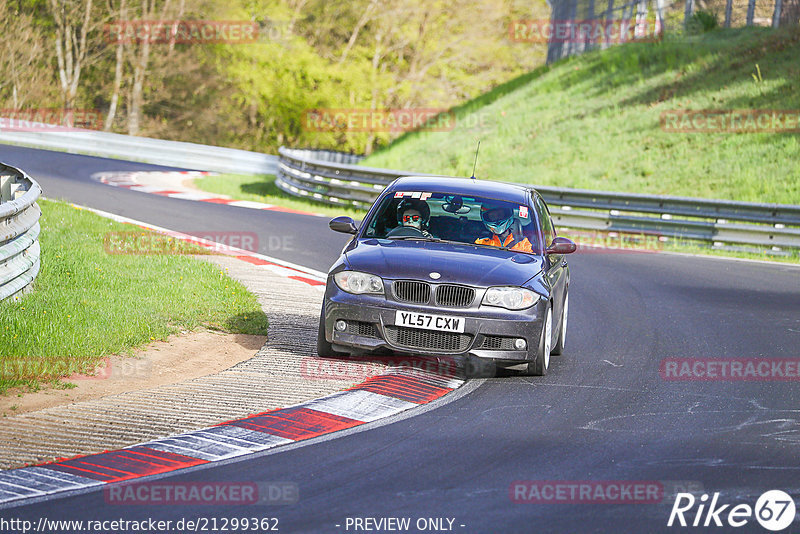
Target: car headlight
{"points": [[358, 283], [513, 298]]}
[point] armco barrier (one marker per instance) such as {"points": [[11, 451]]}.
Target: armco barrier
{"points": [[334, 179], [19, 231], [145, 149]]}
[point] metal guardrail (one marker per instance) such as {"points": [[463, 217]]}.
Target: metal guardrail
{"points": [[129, 147], [19, 231], [777, 226]]}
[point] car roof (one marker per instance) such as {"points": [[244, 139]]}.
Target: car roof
{"points": [[517, 193]]}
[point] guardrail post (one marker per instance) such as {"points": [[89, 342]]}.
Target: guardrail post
{"points": [[5, 188]]}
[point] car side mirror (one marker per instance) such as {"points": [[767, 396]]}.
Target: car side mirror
{"points": [[561, 245], [343, 224]]}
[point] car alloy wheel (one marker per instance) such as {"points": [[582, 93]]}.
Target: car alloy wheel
{"points": [[538, 367]]}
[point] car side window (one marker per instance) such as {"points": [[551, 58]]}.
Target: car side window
{"points": [[547, 223], [551, 228]]}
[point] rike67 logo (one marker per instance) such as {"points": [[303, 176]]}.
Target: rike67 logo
{"points": [[774, 510]]}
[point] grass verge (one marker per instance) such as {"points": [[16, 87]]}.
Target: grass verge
{"points": [[594, 121], [88, 303], [262, 188]]}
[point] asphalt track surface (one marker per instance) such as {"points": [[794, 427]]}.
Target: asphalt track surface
{"points": [[603, 413]]}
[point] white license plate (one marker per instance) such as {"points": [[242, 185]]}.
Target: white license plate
{"points": [[443, 323]]}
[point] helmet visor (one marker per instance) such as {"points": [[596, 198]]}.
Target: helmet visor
{"points": [[498, 219]]}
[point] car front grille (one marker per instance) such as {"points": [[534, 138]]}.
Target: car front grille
{"points": [[413, 338], [449, 295], [412, 291], [360, 328], [454, 296], [497, 343]]}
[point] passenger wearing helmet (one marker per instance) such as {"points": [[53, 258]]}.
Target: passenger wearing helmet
{"points": [[499, 219], [413, 215]]}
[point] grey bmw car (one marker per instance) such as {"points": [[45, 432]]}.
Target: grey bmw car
{"points": [[450, 266]]}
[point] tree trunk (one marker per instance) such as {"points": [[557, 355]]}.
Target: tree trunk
{"points": [[70, 44], [135, 104], [365, 18], [112, 108], [376, 63], [728, 9], [140, 64]]}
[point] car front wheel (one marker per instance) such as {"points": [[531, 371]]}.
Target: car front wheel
{"points": [[325, 349], [538, 367]]}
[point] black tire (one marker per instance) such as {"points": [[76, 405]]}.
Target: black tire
{"points": [[325, 349], [540, 364], [558, 346]]}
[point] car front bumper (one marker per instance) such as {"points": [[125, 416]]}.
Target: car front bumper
{"points": [[489, 332]]}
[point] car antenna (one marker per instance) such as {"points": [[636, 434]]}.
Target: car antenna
{"points": [[476, 159]]}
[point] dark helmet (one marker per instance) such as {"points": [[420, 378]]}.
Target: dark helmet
{"points": [[413, 203], [499, 221]]}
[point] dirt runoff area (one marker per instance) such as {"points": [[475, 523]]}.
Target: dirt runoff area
{"points": [[182, 357]]}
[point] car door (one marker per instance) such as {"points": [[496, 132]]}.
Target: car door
{"points": [[556, 269]]}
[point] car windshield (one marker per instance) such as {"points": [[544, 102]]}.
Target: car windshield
{"points": [[454, 218]]}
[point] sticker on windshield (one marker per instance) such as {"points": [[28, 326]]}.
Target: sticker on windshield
{"points": [[523, 212], [413, 194]]}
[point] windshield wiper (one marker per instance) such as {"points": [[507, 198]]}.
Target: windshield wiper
{"points": [[419, 238]]}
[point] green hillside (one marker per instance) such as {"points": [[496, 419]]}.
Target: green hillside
{"points": [[593, 121]]}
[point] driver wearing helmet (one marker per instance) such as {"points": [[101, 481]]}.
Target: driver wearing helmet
{"points": [[499, 219], [413, 215]]}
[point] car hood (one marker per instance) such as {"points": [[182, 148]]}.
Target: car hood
{"points": [[461, 264]]}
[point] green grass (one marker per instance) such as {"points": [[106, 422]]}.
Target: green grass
{"points": [[88, 304], [592, 122], [262, 188]]}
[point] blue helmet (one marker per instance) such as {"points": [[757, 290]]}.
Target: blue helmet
{"points": [[496, 217]]}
